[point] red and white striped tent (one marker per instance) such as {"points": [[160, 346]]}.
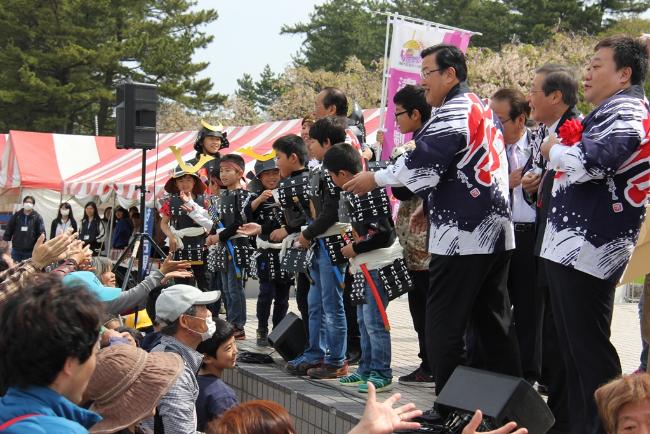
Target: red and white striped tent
{"points": [[121, 174], [45, 160]]}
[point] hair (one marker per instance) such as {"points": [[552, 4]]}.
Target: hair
{"points": [[254, 417], [150, 306], [561, 78], [412, 97], [43, 325], [67, 206], [224, 331], [101, 265], [448, 56], [94, 207], [29, 197], [628, 52], [613, 396], [308, 119], [234, 158], [335, 97], [292, 144], [342, 157], [172, 328], [124, 212], [110, 210], [516, 100], [135, 215], [329, 127]]}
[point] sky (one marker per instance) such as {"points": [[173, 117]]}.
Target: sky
{"points": [[247, 37]]}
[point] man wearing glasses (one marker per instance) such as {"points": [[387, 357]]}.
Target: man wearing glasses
{"points": [[459, 166]]}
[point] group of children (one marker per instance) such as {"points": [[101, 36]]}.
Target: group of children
{"points": [[295, 212]]}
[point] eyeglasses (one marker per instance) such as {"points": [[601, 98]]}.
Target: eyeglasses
{"points": [[425, 74], [400, 114]]}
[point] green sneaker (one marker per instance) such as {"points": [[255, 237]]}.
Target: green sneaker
{"points": [[381, 383], [353, 380]]}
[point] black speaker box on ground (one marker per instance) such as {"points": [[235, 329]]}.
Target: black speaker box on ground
{"points": [[500, 397], [136, 115], [288, 338]]}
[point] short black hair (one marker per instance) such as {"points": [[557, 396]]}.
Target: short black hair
{"points": [[224, 331], [516, 100], [43, 325], [448, 56], [342, 156], [628, 52], [560, 78], [329, 127], [234, 158], [29, 197], [413, 97], [292, 144], [335, 97], [135, 334]]}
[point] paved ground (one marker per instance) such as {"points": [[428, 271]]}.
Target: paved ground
{"points": [[625, 336]]}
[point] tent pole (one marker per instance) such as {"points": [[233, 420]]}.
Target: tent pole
{"points": [[110, 228]]}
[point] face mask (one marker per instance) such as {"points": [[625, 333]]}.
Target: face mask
{"points": [[65, 212], [28, 206], [212, 327]]}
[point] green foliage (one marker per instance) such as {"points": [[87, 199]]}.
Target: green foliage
{"points": [[62, 59], [339, 29], [267, 89], [246, 90]]}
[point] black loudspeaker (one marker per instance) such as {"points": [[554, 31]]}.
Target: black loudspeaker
{"points": [[136, 115], [501, 398], [288, 338]]}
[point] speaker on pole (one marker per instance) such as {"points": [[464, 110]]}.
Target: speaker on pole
{"points": [[136, 115]]}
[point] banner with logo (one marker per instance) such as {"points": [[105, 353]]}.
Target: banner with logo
{"points": [[404, 62], [146, 245]]}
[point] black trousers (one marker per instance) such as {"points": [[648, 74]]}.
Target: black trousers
{"points": [[417, 306], [528, 304], [470, 292], [302, 289], [582, 306], [553, 369]]}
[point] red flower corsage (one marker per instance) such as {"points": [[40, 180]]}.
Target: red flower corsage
{"points": [[570, 132]]}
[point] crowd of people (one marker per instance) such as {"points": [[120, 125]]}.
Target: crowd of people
{"points": [[517, 216]]}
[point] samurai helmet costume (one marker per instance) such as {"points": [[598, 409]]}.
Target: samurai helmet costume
{"points": [[356, 123], [210, 130]]}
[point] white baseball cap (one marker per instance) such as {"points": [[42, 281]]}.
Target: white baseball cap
{"points": [[177, 299]]}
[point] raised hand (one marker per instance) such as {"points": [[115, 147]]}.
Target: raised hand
{"points": [[382, 418], [508, 428], [46, 252], [169, 265]]}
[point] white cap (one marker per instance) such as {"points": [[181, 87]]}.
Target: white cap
{"points": [[177, 299]]}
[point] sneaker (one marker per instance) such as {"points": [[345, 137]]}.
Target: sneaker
{"points": [[240, 334], [381, 383], [262, 338], [353, 380], [299, 366], [328, 372], [418, 378]]}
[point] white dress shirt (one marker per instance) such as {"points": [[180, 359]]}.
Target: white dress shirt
{"points": [[518, 154]]}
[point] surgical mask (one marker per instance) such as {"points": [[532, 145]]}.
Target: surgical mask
{"points": [[212, 327], [28, 206], [65, 212]]}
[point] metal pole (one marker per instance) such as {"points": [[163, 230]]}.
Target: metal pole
{"points": [[110, 227], [384, 86], [143, 192]]}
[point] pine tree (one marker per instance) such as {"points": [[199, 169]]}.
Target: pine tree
{"points": [[267, 89], [62, 60]]}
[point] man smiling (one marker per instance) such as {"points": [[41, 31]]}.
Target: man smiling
{"points": [[459, 166], [596, 208]]}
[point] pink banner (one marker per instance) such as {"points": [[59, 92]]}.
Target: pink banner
{"points": [[404, 68]]}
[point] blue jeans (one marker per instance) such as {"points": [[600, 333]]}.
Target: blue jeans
{"points": [[327, 326], [20, 255], [375, 339], [235, 297]]}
